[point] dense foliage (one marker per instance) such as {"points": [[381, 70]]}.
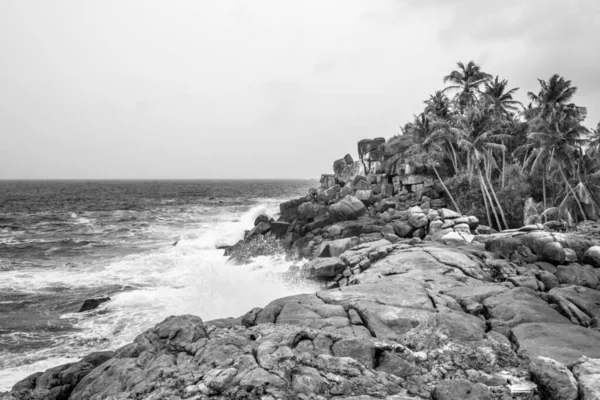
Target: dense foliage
{"points": [[499, 153]]}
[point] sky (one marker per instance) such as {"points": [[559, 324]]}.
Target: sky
{"points": [[194, 89]]}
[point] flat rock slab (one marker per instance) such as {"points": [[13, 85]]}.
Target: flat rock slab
{"points": [[586, 299], [519, 306], [389, 308], [466, 295], [564, 343]]}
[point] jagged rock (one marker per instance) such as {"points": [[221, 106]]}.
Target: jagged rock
{"points": [[585, 299], [349, 208], [327, 181], [324, 268], [526, 281], [336, 247], [328, 195], [418, 220], [564, 343], [289, 209], [548, 279], [576, 274], [587, 372], [462, 389], [262, 218], [366, 196], [554, 380], [260, 229], [310, 210], [385, 205], [280, 228], [92, 304], [592, 256], [456, 238]]}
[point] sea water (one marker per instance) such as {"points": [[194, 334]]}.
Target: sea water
{"points": [[151, 246]]}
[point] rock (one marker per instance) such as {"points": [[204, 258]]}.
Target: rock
{"points": [[564, 343], [361, 350], [366, 196], [260, 229], [338, 246], [403, 229], [418, 220], [262, 218], [548, 279], [526, 281], [279, 228], [435, 226], [395, 365], [519, 306], [587, 372], [92, 304], [310, 210], [456, 238], [554, 380], [59, 382], [460, 389], [576, 274], [385, 205], [585, 299], [289, 209], [592, 256], [349, 208], [462, 228], [329, 195], [327, 181], [324, 268], [504, 246], [448, 214], [553, 252]]}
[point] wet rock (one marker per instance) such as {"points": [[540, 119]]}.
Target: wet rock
{"points": [[324, 268], [92, 304]]}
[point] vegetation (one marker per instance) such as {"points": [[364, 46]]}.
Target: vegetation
{"points": [[496, 155]]}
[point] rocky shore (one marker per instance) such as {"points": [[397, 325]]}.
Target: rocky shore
{"points": [[418, 302]]}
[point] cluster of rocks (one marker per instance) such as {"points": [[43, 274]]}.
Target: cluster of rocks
{"points": [[418, 302]]}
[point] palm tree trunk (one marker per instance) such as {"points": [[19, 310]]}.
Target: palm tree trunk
{"points": [[499, 205], [491, 202], [503, 166], [544, 193], [447, 191], [487, 209], [562, 172]]}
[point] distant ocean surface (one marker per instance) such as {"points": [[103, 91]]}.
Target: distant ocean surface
{"points": [[62, 242]]}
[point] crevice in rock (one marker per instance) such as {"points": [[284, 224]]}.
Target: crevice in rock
{"points": [[432, 301], [300, 337], [378, 357], [365, 322]]}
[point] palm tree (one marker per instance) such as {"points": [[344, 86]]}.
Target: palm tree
{"points": [[554, 96], [467, 80], [423, 150], [560, 136], [438, 105], [478, 140], [500, 103]]}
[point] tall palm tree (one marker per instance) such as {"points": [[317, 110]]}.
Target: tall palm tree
{"points": [[500, 103], [478, 140], [467, 81], [423, 150], [438, 105], [555, 95]]}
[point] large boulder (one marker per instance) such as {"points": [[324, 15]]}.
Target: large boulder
{"points": [[403, 229], [349, 208], [576, 274], [327, 195], [289, 209], [587, 372], [564, 343], [592, 256]]}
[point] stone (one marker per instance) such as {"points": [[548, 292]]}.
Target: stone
{"points": [[262, 218], [403, 229], [446, 213], [456, 238], [585, 299], [329, 195], [553, 252], [288, 209], [462, 228], [361, 350], [577, 274], [418, 220], [324, 268], [327, 181], [92, 304], [564, 343], [349, 208], [395, 365], [310, 210], [547, 278], [260, 229], [519, 306], [526, 281], [587, 372], [435, 226], [338, 246], [280, 228], [554, 380], [385, 205], [460, 389], [592, 256], [366, 196]]}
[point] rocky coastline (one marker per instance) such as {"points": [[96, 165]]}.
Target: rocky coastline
{"points": [[418, 302]]}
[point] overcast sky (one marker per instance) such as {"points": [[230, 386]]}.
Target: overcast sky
{"points": [[255, 89]]}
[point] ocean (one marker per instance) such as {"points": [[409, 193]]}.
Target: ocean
{"points": [[151, 246]]}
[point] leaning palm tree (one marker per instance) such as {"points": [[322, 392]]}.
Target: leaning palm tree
{"points": [[467, 81], [423, 150], [500, 103], [479, 141]]}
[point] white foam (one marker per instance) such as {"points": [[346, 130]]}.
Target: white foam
{"points": [[192, 277]]}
